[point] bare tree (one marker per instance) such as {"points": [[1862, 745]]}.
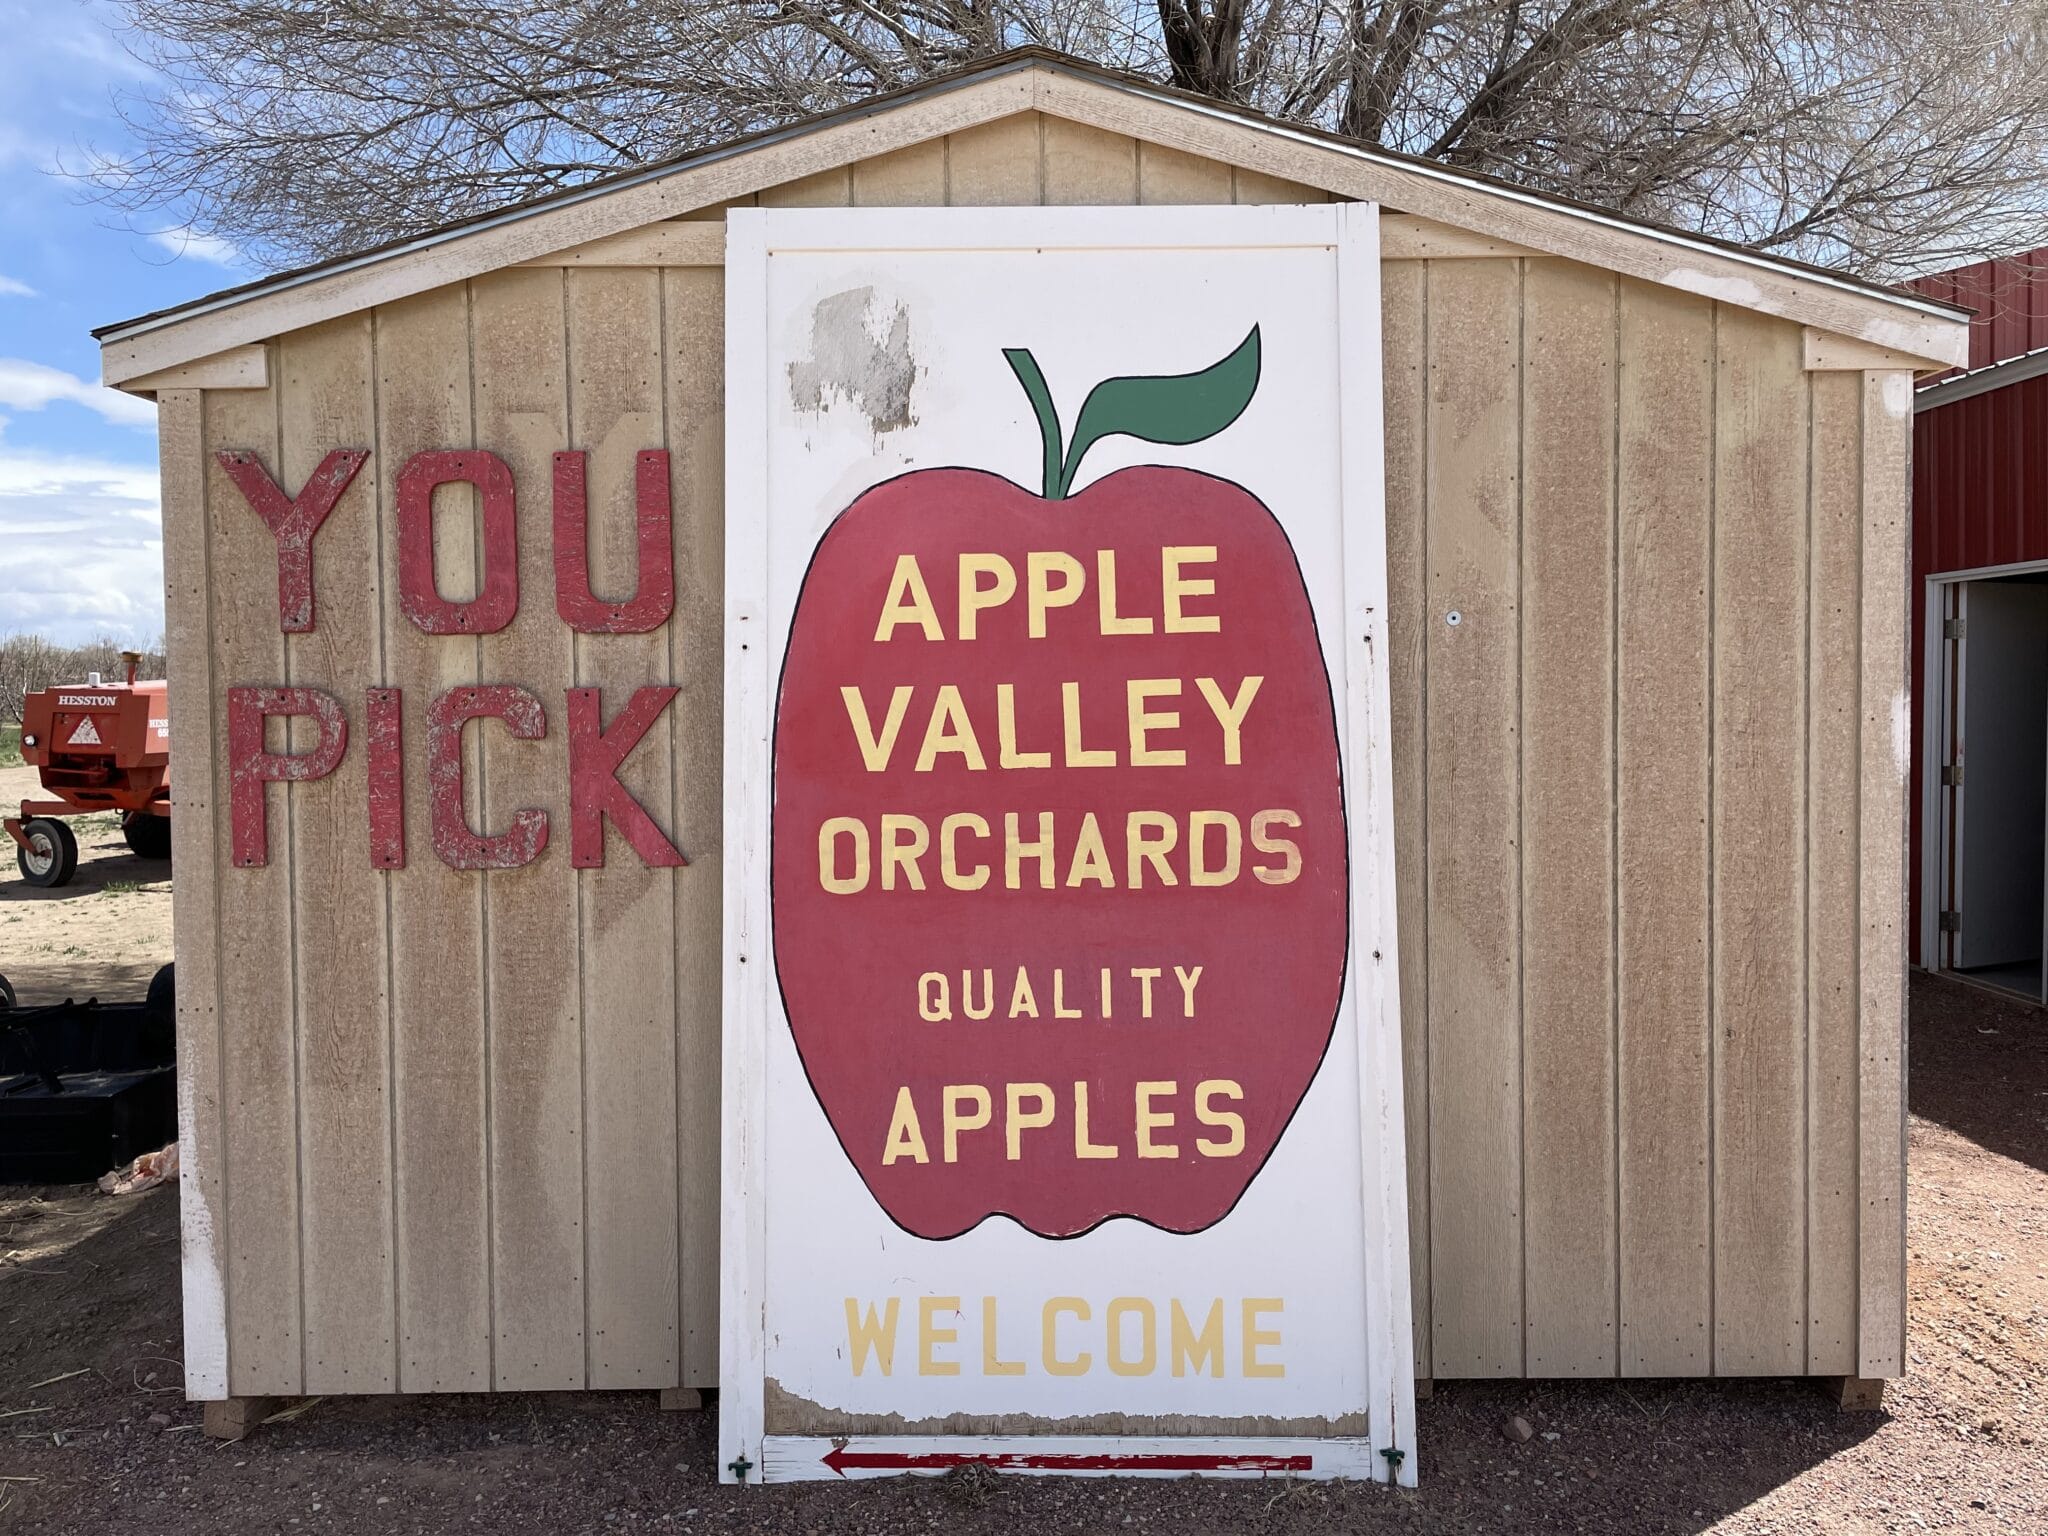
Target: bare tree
{"points": [[1887, 135], [30, 663]]}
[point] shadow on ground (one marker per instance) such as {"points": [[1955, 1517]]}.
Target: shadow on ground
{"points": [[1978, 1064]]}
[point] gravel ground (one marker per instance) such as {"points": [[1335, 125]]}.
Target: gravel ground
{"points": [[89, 1286]]}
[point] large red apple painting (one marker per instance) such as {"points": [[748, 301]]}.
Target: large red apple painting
{"points": [[1058, 839]]}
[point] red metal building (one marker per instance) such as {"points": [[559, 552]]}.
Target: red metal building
{"points": [[1980, 654]]}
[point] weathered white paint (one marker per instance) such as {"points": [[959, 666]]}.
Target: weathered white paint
{"points": [[1715, 285], [200, 1265]]}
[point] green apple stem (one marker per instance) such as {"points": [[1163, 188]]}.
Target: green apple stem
{"points": [[1176, 408], [1025, 366]]}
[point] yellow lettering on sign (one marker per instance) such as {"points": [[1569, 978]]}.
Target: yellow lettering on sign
{"points": [[955, 1118], [974, 597], [990, 1364], [930, 1335], [1138, 692], [1257, 1338], [1049, 1329], [876, 747], [1229, 1121], [906, 1137], [909, 602], [1150, 1119], [1190, 1348], [872, 1336], [1174, 587], [1148, 1336], [949, 730], [1039, 591], [1016, 1121]]}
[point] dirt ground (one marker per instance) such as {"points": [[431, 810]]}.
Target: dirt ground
{"points": [[102, 935], [95, 1435]]}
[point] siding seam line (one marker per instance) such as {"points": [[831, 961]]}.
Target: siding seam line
{"points": [[483, 896], [1807, 896], [291, 907], [1428, 592], [675, 897], [577, 880], [1713, 713], [1614, 814], [1521, 786], [384, 881]]}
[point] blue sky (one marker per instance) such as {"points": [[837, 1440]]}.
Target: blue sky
{"points": [[80, 534]]}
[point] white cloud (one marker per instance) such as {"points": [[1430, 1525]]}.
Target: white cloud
{"points": [[84, 542], [185, 241], [14, 288], [28, 386]]}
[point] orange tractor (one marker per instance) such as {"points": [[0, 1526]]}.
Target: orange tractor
{"points": [[99, 747]]}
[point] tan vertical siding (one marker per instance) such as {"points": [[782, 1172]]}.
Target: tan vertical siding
{"points": [[1759, 841], [1472, 736], [1647, 801], [1665, 479], [424, 401], [1567, 811], [1834, 658], [532, 962], [1404, 316], [1881, 1123], [326, 401], [259, 1057], [693, 310], [626, 911]]}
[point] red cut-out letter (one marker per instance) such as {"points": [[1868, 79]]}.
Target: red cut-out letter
{"points": [[251, 765], [383, 719], [293, 520], [457, 845], [655, 597], [594, 788], [497, 597]]}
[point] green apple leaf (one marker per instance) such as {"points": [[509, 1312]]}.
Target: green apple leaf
{"points": [[1175, 408]]}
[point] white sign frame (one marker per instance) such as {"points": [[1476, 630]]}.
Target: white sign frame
{"points": [[1372, 974]]}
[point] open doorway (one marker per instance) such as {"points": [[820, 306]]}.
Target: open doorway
{"points": [[1989, 728]]}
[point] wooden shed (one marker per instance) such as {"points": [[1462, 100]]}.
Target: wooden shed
{"points": [[451, 1129]]}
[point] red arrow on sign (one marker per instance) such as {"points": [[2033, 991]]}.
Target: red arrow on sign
{"points": [[839, 1459]]}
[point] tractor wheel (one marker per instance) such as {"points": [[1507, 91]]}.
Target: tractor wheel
{"points": [[149, 837], [51, 857], [6, 994], [162, 997]]}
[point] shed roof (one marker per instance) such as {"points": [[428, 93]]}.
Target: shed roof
{"points": [[1921, 329]]}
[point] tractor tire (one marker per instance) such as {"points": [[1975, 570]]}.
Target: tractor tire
{"points": [[162, 997], [149, 837], [51, 858], [6, 994]]}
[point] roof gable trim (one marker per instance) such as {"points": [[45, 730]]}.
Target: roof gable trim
{"points": [[1914, 325]]}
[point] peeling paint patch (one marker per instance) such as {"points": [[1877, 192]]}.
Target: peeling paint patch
{"points": [[1902, 735], [860, 353], [1728, 290], [785, 1413]]}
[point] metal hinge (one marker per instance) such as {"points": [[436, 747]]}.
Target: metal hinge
{"points": [[1952, 774], [1951, 922], [1951, 629]]}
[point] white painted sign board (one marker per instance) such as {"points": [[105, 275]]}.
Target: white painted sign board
{"points": [[1062, 1092]]}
